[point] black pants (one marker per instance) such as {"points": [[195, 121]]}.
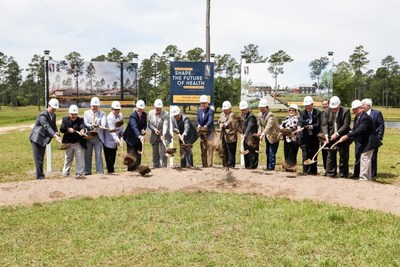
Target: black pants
{"points": [[38, 157], [109, 155], [331, 163], [309, 148], [133, 150], [229, 150], [251, 158], [290, 151]]}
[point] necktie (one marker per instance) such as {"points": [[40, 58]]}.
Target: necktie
{"points": [[93, 119]]}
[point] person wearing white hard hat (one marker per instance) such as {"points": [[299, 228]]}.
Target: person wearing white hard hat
{"points": [[289, 127], [73, 128], [43, 131], [268, 129], [324, 152], [249, 128], [228, 123], [205, 120], [187, 136], [309, 122], [159, 133], [379, 123], [95, 120], [335, 123], [113, 139], [365, 133], [135, 132]]}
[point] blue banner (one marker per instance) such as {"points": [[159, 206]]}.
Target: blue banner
{"points": [[190, 80]]}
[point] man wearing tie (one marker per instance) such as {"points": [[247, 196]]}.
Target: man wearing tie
{"points": [[159, 135], [134, 133], [43, 131], [205, 119], [379, 123], [335, 124], [95, 120], [309, 121]]}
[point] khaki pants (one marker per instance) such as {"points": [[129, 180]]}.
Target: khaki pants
{"points": [[206, 153], [365, 165]]}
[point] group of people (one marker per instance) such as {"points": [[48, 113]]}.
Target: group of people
{"points": [[310, 130]]}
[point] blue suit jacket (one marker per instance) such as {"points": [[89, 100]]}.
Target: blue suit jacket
{"points": [[134, 128], [207, 121], [379, 123], [364, 132]]}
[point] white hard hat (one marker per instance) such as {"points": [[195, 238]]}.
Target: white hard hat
{"points": [[203, 99], [158, 103], [263, 103], [54, 103], [294, 106], [334, 102], [243, 105], [95, 101], [175, 110], [140, 104], [308, 100], [73, 109], [116, 105], [226, 105], [356, 104]]}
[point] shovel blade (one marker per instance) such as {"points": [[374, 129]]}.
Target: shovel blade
{"points": [[309, 162]]}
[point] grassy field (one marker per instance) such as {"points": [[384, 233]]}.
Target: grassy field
{"points": [[196, 229]]}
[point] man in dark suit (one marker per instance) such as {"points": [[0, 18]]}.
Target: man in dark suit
{"points": [[365, 133], [335, 123], [43, 131], [310, 121], [205, 118], [134, 133], [379, 123], [249, 128]]}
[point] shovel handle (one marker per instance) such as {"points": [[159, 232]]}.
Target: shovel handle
{"points": [[319, 150]]}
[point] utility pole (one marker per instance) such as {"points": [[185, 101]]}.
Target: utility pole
{"points": [[208, 31]]}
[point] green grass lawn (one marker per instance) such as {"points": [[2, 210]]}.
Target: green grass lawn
{"points": [[196, 229]]}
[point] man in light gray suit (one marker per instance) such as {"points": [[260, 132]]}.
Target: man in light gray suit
{"points": [[159, 126], [43, 131], [95, 119]]}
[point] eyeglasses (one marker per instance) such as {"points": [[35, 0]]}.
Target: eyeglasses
{"points": [[292, 110]]}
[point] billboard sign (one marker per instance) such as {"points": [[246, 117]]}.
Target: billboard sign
{"points": [[190, 80], [69, 81]]}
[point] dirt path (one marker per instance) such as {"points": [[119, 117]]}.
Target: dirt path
{"points": [[345, 192]]}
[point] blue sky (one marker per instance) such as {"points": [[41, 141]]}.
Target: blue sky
{"points": [[305, 29]]}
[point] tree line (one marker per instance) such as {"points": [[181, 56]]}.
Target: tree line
{"points": [[351, 79]]}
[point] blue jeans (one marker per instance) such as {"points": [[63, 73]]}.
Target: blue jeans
{"points": [[271, 154]]}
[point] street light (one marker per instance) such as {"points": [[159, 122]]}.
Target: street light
{"points": [[46, 77], [330, 56], [46, 100]]}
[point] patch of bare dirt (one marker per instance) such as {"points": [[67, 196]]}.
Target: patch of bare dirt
{"points": [[344, 192]]}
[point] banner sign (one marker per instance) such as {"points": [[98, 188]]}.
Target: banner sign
{"points": [[190, 80], [69, 81]]}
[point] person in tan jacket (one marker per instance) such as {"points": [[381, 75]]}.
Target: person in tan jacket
{"points": [[268, 128], [229, 125]]}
